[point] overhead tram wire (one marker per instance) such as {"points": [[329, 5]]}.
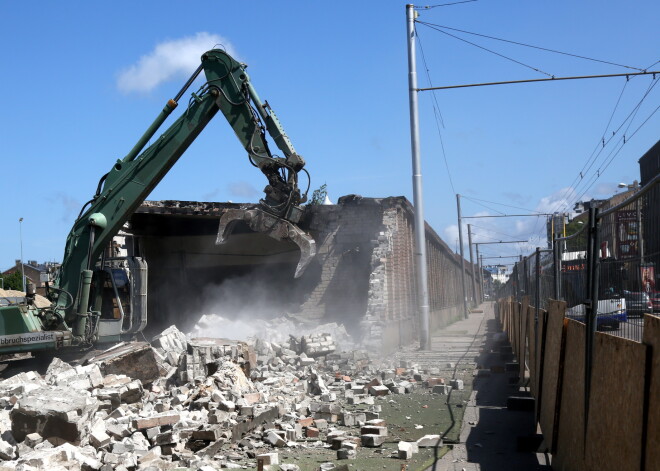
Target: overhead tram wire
{"points": [[429, 7], [624, 142], [623, 139], [600, 145], [436, 112], [589, 165], [490, 229], [487, 207], [435, 26], [488, 50], [500, 204], [615, 133]]}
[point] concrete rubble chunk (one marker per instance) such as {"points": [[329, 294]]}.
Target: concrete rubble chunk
{"points": [[268, 459], [457, 384], [7, 450], [372, 440], [406, 450], [275, 439], [137, 360], [429, 441], [54, 412], [33, 439], [156, 420]]}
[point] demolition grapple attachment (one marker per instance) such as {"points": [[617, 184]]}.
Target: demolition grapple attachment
{"points": [[277, 228]]}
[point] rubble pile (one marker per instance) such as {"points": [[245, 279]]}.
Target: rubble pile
{"points": [[200, 404]]}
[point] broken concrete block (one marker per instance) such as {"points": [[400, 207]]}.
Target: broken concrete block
{"points": [[457, 384], [372, 441], [429, 441], [53, 412], [441, 389], [228, 406], [405, 450], [7, 450], [165, 438], [118, 431], [33, 439], [136, 360], [269, 458], [321, 424], [99, 438], [376, 422], [351, 419], [171, 341], [346, 454], [207, 434], [168, 418], [379, 390], [373, 430], [274, 439]]}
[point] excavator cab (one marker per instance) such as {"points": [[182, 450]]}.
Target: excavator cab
{"points": [[119, 297]]}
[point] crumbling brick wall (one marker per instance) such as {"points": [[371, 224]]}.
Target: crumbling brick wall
{"points": [[363, 275], [382, 231]]}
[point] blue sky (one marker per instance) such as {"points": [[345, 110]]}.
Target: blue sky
{"points": [[83, 80]]}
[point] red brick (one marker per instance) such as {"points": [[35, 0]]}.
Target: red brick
{"points": [[306, 422]]}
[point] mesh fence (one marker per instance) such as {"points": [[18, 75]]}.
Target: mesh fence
{"points": [[618, 266]]}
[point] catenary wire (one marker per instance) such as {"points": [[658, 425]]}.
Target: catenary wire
{"points": [[599, 144], [533, 47], [590, 162], [615, 152], [436, 113], [573, 187], [500, 204], [622, 140], [630, 116], [486, 49], [429, 7]]}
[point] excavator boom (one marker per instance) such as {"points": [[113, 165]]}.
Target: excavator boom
{"points": [[74, 317]]}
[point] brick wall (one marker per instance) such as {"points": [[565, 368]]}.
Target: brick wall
{"points": [[363, 275]]}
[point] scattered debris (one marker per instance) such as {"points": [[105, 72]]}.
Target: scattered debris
{"points": [[203, 403]]}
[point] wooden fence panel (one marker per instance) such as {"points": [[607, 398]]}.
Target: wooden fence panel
{"points": [[521, 354], [570, 440], [616, 405], [652, 341], [531, 347], [551, 371]]}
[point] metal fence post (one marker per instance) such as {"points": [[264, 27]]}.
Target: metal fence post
{"points": [[591, 304], [556, 268]]}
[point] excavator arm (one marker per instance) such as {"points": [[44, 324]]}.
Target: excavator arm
{"points": [[227, 89]]}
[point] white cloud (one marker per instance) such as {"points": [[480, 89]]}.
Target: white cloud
{"points": [[177, 58]]}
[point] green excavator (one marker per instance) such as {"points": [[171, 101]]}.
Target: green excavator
{"points": [[98, 297]]}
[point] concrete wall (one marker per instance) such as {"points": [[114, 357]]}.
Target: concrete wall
{"points": [[363, 275]]}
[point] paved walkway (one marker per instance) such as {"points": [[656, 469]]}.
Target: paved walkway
{"points": [[489, 433]]}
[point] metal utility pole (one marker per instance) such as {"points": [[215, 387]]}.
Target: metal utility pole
{"points": [[480, 261], [460, 244], [420, 233], [474, 275], [20, 232]]}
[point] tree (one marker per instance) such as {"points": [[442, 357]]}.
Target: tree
{"points": [[318, 196], [13, 281]]}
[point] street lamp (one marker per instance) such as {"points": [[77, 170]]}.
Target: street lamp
{"points": [[20, 231]]}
